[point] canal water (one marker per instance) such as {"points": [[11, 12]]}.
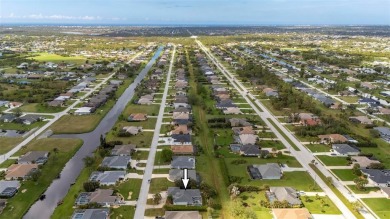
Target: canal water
{"points": [[59, 187]]}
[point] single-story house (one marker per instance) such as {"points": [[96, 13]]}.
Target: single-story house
{"points": [[284, 194], [187, 197], [182, 149], [361, 119], [103, 213], [9, 188], [247, 139], [116, 162], [377, 177], [234, 122], [107, 177], [7, 118], [265, 171], [34, 157], [136, 117], [20, 171], [83, 111], [133, 130], [232, 110], [123, 150], [180, 130], [332, 138], [363, 161], [103, 197], [384, 133], [30, 119], [181, 139], [177, 174], [345, 150], [183, 162]]}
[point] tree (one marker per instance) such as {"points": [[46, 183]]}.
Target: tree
{"points": [[89, 161], [18, 112], [356, 206], [360, 183], [35, 175], [166, 155], [329, 180], [90, 186], [157, 198], [356, 169]]}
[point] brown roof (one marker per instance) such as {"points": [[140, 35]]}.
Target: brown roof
{"points": [[182, 149], [19, 170], [247, 130], [181, 129], [138, 116], [291, 213], [334, 138]]}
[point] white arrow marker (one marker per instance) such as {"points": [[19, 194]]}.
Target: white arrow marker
{"points": [[185, 180]]}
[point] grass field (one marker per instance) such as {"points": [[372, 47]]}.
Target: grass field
{"points": [[344, 175], [132, 186], [160, 184], [333, 161], [315, 207], [19, 126], [18, 205], [365, 191], [122, 212], [70, 124], [253, 200], [7, 143], [318, 147], [38, 108], [379, 205], [46, 57]]}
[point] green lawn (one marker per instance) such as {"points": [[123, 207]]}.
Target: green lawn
{"points": [[314, 205], [122, 212], [344, 175], [46, 57], [8, 163], [132, 186], [318, 147], [21, 202], [7, 143], [143, 139], [365, 191], [19, 126], [379, 205], [333, 161], [160, 184], [253, 200], [70, 124], [39, 108]]}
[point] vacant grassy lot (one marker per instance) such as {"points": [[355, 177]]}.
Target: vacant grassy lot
{"points": [[315, 207], [365, 191], [379, 205], [344, 175], [122, 212], [21, 202], [318, 147], [160, 184], [129, 189], [39, 108], [253, 200], [19, 126], [70, 124], [46, 57], [7, 143], [333, 161]]}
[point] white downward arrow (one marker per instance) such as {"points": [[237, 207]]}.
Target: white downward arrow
{"points": [[185, 179]]}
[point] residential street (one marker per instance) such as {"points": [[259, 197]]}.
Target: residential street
{"points": [[143, 195], [304, 156]]}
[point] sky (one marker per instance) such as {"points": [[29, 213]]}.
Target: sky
{"points": [[197, 12]]}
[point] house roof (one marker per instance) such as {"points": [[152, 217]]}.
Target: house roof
{"points": [[378, 176], [91, 214], [180, 129], [177, 174], [269, 170], [286, 193], [20, 170], [181, 138], [232, 110], [184, 195], [182, 149], [107, 177], [124, 149], [133, 129], [180, 115], [363, 161], [344, 148], [102, 195], [33, 156], [291, 213], [250, 149], [182, 215], [181, 162], [248, 139], [138, 116], [116, 161], [181, 109], [9, 184], [334, 137], [243, 130], [383, 130]]}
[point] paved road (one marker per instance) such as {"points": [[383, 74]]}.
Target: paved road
{"points": [[143, 195], [60, 187], [304, 156]]}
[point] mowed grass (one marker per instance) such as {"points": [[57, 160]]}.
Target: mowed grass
{"points": [[253, 200], [333, 161], [365, 191], [160, 184], [122, 212], [7, 143], [314, 205], [18, 205], [318, 147], [379, 205], [344, 175], [130, 187], [71, 124], [38, 108], [46, 57]]}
